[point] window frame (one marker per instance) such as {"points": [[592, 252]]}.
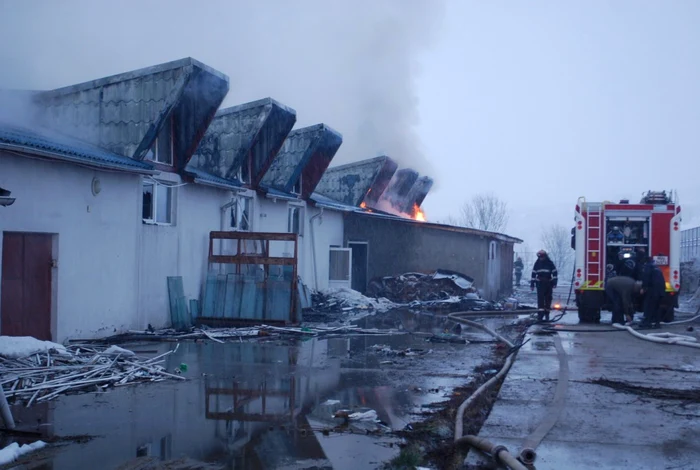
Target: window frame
{"points": [[154, 152], [239, 209], [299, 209], [158, 188]]}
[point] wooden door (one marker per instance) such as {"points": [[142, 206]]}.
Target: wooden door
{"points": [[25, 306]]}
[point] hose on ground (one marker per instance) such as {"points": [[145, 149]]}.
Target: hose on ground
{"points": [[500, 453], [664, 337], [527, 453], [679, 322]]}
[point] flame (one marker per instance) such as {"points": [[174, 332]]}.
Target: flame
{"points": [[363, 205], [418, 214]]}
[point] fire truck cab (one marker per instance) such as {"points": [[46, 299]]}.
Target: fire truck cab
{"points": [[608, 234]]}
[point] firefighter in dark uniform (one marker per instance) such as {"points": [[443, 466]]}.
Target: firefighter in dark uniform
{"points": [[518, 266], [653, 289], [544, 277]]}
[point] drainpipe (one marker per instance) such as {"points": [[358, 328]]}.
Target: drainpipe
{"points": [[313, 246], [5, 411]]}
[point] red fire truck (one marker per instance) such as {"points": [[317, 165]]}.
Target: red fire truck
{"points": [[609, 233]]}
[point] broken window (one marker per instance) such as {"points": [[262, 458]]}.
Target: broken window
{"points": [[241, 213], [245, 170], [162, 150], [294, 220], [157, 203]]}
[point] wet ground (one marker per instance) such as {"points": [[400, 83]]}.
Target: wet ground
{"points": [[263, 404], [629, 403]]}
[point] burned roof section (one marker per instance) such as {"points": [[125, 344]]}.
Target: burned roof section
{"points": [[418, 192], [243, 140], [358, 182], [397, 191], [124, 113], [306, 153]]}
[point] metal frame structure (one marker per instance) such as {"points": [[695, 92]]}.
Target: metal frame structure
{"points": [[263, 259]]}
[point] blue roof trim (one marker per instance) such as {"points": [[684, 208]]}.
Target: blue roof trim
{"points": [[272, 192], [57, 145], [202, 177]]}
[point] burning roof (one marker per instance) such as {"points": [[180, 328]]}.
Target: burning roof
{"points": [[359, 182]]}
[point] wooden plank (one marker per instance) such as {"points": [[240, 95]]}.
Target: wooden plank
{"points": [[225, 416], [252, 259], [274, 236]]}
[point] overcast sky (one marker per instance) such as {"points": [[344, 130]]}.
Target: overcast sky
{"points": [[539, 102]]}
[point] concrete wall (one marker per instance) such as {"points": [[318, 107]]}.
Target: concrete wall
{"points": [[397, 247], [97, 239], [272, 216]]}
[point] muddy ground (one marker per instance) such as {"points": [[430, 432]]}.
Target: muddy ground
{"points": [[346, 402]]}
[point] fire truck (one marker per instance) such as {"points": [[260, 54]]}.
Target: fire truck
{"points": [[608, 234]]}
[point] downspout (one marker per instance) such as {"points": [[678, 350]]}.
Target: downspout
{"points": [[313, 246]]}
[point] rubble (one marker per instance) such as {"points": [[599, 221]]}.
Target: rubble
{"points": [[14, 451], [411, 287], [45, 375]]}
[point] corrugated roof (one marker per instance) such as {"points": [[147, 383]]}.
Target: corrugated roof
{"points": [[202, 177], [124, 113], [50, 144], [257, 129], [306, 153]]}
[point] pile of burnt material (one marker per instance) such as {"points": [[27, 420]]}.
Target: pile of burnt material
{"points": [[440, 285]]}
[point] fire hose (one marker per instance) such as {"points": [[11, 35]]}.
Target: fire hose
{"points": [[499, 452], [664, 337]]}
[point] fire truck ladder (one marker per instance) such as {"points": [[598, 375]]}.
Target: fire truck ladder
{"points": [[594, 238]]}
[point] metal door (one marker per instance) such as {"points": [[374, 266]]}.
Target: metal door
{"points": [[26, 285]]}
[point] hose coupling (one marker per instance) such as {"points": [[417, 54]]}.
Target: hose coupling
{"points": [[527, 456]]}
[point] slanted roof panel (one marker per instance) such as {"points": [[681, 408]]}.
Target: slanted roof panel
{"points": [[306, 152], [124, 113], [352, 183], [253, 130], [53, 145], [418, 192], [397, 191]]}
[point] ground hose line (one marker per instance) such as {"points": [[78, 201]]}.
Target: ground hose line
{"points": [[663, 338], [500, 453], [527, 453]]}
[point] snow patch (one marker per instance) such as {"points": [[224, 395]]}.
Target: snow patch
{"points": [[14, 451], [116, 350], [22, 346], [354, 299]]}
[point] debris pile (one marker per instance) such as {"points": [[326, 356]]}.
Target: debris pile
{"points": [[409, 352], [346, 304], [412, 287], [49, 372]]}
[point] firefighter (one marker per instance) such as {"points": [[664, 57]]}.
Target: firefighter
{"points": [[653, 289], [518, 266], [544, 276], [620, 290]]}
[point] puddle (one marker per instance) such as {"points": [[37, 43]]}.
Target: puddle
{"points": [[253, 405]]}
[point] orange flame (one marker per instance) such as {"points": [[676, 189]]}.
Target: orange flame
{"points": [[363, 205], [418, 213]]}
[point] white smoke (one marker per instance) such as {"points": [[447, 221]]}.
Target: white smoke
{"points": [[349, 64]]}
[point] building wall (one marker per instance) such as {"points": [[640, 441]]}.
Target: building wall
{"points": [[397, 247], [180, 249], [272, 216], [95, 284]]}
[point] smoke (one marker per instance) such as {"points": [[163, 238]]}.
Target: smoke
{"points": [[349, 64]]}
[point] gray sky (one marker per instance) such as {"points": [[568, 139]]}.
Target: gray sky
{"points": [[539, 102]]}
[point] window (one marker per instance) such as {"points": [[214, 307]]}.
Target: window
{"points": [[245, 170], [339, 265], [240, 214], [157, 203], [162, 150], [294, 220], [297, 187]]}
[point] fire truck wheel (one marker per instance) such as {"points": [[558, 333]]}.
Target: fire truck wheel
{"points": [[588, 315]]}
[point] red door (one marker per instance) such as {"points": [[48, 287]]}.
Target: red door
{"points": [[25, 306]]}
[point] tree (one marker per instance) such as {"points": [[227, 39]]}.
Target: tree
{"points": [[484, 212], [556, 240]]}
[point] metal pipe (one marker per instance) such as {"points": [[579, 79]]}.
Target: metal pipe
{"points": [[313, 246], [499, 452]]}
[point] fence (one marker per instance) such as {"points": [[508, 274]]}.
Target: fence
{"points": [[690, 244]]}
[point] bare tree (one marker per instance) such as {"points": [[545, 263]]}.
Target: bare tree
{"points": [[484, 212], [556, 240]]}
